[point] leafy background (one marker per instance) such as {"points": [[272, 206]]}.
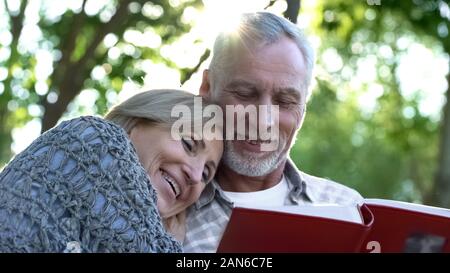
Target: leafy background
{"points": [[378, 118]]}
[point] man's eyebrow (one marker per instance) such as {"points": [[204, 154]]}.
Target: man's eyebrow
{"points": [[290, 91], [241, 83]]}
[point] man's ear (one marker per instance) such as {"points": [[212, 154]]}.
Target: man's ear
{"points": [[205, 88]]}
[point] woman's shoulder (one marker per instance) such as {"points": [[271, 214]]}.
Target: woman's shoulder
{"points": [[90, 123], [89, 130], [82, 137]]}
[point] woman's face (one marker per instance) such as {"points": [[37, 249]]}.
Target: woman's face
{"points": [[179, 169]]}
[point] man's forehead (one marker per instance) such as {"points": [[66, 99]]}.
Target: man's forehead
{"points": [[294, 84], [261, 85], [279, 53], [259, 72]]}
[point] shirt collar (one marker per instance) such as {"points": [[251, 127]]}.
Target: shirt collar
{"points": [[300, 188], [297, 184], [207, 195]]}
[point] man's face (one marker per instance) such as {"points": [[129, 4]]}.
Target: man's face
{"points": [[269, 75]]}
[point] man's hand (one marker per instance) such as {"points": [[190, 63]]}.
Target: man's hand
{"points": [[176, 226]]}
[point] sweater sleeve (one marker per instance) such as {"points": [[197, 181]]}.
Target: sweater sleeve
{"points": [[80, 182]]}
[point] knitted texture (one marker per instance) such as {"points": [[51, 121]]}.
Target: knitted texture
{"points": [[80, 184]]}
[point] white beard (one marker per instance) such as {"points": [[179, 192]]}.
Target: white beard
{"points": [[251, 164]]}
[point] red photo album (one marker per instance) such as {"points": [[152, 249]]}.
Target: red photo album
{"points": [[378, 225]]}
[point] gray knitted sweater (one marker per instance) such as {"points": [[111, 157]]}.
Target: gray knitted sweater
{"points": [[80, 184]]}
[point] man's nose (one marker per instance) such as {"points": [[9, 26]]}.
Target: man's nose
{"points": [[267, 115]]}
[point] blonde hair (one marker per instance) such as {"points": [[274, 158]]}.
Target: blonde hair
{"points": [[154, 106]]}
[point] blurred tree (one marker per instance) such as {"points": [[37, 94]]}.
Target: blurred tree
{"points": [[292, 10], [432, 18], [361, 129], [390, 151], [84, 45]]}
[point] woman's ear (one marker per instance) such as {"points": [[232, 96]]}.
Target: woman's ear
{"points": [[205, 87], [130, 124]]}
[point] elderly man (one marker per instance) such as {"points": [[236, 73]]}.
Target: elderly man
{"points": [[266, 61]]}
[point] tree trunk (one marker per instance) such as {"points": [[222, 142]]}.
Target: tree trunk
{"points": [[292, 11], [442, 188], [71, 81], [69, 89], [16, 25], [6, 138]]}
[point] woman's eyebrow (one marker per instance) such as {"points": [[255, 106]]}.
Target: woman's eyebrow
{"points": [[201, 143]]}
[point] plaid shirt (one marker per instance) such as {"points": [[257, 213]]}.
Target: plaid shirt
{"points": [[208, 217]]}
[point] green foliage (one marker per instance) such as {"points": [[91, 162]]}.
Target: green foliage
{"points": [[75, 40], [390, 151], [382, 152]]}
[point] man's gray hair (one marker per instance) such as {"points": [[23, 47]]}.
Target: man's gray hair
{"points": [[263, 28]]}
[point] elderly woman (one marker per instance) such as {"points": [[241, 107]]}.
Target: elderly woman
{"points": [[119, 184]]}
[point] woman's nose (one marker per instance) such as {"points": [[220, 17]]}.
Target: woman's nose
{"points": [[193, 172]]}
